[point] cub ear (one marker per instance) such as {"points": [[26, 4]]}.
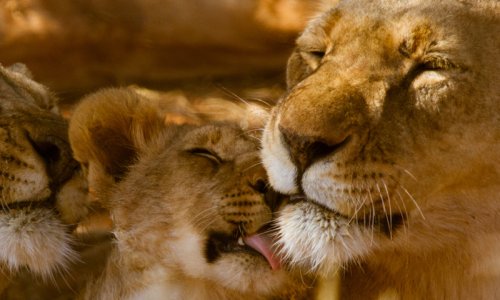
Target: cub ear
{"points": [[107, 132], [16, 83], [297, 69]]}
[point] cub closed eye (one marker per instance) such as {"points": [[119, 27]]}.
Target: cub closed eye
{"points": [[206, 153], [317, 54], [312, 58], [314, 55]]}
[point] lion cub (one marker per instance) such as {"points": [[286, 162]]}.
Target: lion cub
{"points": [[189, 205]]}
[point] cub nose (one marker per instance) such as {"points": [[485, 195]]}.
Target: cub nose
{"points": [[271, 198], [49, 139], [304, 150], [258, 184]]}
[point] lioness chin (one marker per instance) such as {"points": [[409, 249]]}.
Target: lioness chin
{"points": [[190, 205], [389, 138]]}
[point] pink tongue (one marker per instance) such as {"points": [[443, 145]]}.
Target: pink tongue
{"points": [[263, 244]]}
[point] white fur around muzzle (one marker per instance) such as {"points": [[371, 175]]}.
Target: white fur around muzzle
{"points": [[34, 239]]}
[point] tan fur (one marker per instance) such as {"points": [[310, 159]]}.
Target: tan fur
{"points": [[167, 197], [41, 190], [390, 131]]}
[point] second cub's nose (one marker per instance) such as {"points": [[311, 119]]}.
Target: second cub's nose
{"points": [[304, 150], [259, 185]]}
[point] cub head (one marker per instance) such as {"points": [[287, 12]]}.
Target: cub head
{"points": [[190, 201], [41, 190], [392, 108]]}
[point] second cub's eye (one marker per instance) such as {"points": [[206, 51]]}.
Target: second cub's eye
{"points": [[317, 54], [312, 57], [206, 153]]}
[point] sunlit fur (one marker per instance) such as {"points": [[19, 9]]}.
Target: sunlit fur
{"points": [[166, 194], [405, 201]]}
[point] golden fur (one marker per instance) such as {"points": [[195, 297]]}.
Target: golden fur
{"points": [[389, 137], [40, 185], [172, 192]]}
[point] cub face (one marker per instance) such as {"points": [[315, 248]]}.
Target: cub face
{"points": [[189, 202], [390, 106], [40, 183]]}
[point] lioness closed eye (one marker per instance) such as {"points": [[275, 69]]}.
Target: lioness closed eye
{"points": [[389, 136], [189, 205]]}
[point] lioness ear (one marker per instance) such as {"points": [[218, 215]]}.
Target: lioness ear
{"points": [[107, 132], [297, 69]]}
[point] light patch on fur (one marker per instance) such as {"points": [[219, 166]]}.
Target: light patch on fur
{"points": [[242, 272], [430, 86], [158, 289], [34, 239], [187, 243], [488, 247], [375, 96], [318, 240], [276, 159], [389, 294]]}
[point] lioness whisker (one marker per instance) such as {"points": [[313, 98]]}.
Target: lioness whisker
{"points": [[405, 210], [252, 166], [371, 219], [414, 201], [254, 129], [382, 200], [407, 172], [231, 93], [389, 204], [261, 101]]}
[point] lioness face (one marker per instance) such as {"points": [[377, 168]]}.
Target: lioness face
{"points": [[389, 105]]}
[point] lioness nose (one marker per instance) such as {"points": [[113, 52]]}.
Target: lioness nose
{"points": [[304, 150]]}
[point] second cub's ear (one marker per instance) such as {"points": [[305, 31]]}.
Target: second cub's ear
{"points": [[108, 130], [297, 69]]}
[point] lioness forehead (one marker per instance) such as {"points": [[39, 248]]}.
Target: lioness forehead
{"points": [[364, 20]]}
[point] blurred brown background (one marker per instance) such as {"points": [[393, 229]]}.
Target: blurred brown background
{"points": [[77, 46]]}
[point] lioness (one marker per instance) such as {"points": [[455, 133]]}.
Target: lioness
{"points": [[41, 191], [190, 205], [389, 138]]}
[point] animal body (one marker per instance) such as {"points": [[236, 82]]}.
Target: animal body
{"points": [[389, 139], [42, 194], [189, 204]]}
